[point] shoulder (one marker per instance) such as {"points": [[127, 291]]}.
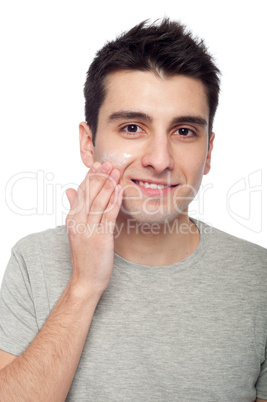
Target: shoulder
{"points": [[229, 244], [44, 259], [51, 241], [233, 253], [236, 265], [235, 245]]}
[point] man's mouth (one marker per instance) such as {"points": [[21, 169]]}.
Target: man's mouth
{"points": [[152, 185]]}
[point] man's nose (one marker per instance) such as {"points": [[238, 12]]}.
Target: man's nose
{"points": [[158, 154]]}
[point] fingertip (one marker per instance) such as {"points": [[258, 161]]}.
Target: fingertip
{"points": [[94, 168]]}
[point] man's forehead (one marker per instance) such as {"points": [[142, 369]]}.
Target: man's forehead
{"points": [[138, 91]]}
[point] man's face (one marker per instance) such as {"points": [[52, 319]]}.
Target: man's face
{"points": [[155, 130]]}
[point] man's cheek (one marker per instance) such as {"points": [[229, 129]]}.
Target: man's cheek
{"points": [[119, 159]]}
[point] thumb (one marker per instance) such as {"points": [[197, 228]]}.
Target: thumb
{"points": [[71, 194]]}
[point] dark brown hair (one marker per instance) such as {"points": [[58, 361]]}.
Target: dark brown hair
{"points": [[165, 48]]}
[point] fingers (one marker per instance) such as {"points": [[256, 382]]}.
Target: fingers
{"points": [[113, 207], [96, 195], [102, 201], [101, 176]]}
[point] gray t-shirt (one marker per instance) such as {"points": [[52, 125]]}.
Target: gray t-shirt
{"points": [[191, 331]]}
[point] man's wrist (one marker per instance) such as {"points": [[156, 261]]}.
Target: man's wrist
{"points": [[82, 294]]}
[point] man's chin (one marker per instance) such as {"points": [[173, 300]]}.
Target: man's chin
{"points": [[151, 219]]}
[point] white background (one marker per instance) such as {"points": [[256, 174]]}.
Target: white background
{"points": [[46, 48]]}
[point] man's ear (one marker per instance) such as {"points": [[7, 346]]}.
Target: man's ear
{"points": [[208, 159], [86, 144]]}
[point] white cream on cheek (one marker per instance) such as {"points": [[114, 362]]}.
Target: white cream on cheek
{"points": [[118, 159]]}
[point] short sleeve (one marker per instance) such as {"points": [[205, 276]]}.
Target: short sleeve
{"points": [[18, 324], [261, 385]]}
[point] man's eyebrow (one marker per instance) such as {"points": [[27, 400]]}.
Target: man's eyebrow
{"points": [[190, 119], [125, 114]]}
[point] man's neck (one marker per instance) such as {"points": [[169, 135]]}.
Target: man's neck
{"points": [[154, 244]]}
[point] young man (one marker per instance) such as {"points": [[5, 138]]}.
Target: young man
{"points": [[132, 300]]}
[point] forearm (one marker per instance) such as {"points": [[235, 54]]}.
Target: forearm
{"points": [[45, 370]]}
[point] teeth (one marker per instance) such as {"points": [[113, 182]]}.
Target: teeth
{"points": [[152, 185]]}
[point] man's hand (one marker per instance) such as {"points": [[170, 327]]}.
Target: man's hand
{"points": [[90, 223], [45, 370]]}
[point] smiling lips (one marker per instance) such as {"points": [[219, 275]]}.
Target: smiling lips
{"points": [[153, 186]]}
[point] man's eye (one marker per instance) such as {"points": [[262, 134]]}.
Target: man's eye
{"points": [[132, 128], [185, 132]]}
